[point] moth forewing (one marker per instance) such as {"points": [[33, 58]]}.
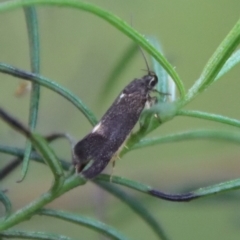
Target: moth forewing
{"points": [[109, 135]]}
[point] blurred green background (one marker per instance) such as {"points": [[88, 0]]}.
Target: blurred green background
{"points": [[79, 50]]}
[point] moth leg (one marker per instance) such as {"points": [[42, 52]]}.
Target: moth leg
{"points": [[152, 101], [113, 166], [160, 93]]}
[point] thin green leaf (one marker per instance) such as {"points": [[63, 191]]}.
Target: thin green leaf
{"points": [[50, 158], [4, 68], [136, 206], [122, 63], [88, 222], [32, 235], [209, 116], [190, 135], [160, 71], [124, 182], [26, 159], [231, 62], [215, 63], [145, 188], [6, 202], [201, 192], [32, 26], [218, 188], [112, 19], [33, 36]]}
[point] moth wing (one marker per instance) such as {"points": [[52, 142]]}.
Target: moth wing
{"points": [[97, 166], [101, 156], [87, 149]]}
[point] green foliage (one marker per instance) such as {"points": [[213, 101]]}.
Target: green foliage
{"points": [[221, 62]]}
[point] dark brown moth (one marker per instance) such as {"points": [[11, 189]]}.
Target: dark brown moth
{"points": [[98, 148]]}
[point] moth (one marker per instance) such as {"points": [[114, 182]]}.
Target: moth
{"points": [[92, 154]]}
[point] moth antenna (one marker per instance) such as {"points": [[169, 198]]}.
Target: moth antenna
{"points": [[145, 60], [144, 57]]}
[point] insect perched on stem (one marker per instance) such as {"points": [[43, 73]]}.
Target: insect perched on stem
{"points": [[92, 154]]}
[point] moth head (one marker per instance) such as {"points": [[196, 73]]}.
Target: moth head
{"points": [[151, 80], [142, 85]]}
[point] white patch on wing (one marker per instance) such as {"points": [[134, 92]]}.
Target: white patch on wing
{"points": [[122, 95], [96, 127]]}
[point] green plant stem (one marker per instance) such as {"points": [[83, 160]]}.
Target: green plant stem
{"points": [[32, 26], [162, 85], [209, 116], [29, 210], [50, 158], [188, 135], [199, 193], [26, 212], [32, 235], [33, 36], [7, 204]]}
